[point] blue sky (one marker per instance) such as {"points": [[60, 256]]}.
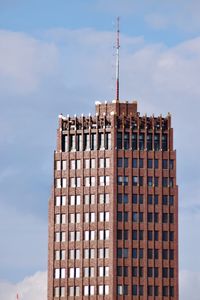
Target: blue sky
{"points": [[57, 56]]}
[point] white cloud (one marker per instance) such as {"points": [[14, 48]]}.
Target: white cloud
{"points": [[189, 285], [24, 62], [32, 288]]}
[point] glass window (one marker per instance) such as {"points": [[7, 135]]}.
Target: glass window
{"points": [[119, 140], [134, 216], [135, 180], [156, 163], [141, 163], [101, 141], [164, 142], [171, 200], [149, 141], [134, 199], [79, 142], [150, 181], [165, 181], [108, 141], [156, 142], [134, 141], [126, 140], [134, 253], [125, 162], [93, 141], [156, 181], [150, 163], [58, 165], [171, 164], [150, 199], [101, 162], [134, 235], [141, 141], [134, 162], [119, 163], [165, 163]]}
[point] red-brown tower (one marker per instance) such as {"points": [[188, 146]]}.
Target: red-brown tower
{"points": [[113, 212]]}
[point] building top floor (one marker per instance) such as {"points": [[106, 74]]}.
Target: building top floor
{"points": [[120, 115]]}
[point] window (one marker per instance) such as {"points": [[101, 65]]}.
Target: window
{"points": [[171, 291], [134, 253], [150, 163], [156, 181], [171, 164], [155, 199], [165, 272], [125, 162], [165, 235], [165, 218], [122, 180], [150, 290], [79, 142], [171, 236], [156, 164], [134, 141], [59, 273], [60, 200], [93, 163], [164, 142], [93, 141], [58, 165], [86, 163], [150, 253], [150, 235], [156, 142], [135, 180], [72, 142], [165, 164], [119, 140], [171, 273], [119, 163], [134, 235], [108, 141], [101, 141], [171, 182], [58, 183], [164, 200], [149, 199], [134, 199], [149, 142], [140, 199], [126, 140], [104, 198], [165, 291], [141, 163], [141, 180], [165, 182], [134, 271], [87, 141], [171, 200], [134, 163], [141, 141], [122, 252], [134, 290], [150, 181]]}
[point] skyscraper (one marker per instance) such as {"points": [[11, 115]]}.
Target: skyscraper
{"points": [[113, 212]]}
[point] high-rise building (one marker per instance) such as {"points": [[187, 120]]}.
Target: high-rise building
{"points": [[113, 212]]}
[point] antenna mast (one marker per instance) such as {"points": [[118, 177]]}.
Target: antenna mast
{"points": [[117, 60]]}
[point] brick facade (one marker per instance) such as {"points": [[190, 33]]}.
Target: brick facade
{"points": [[114, 189]]}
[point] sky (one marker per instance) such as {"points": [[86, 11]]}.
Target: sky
{"points": [[58, 57]]}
